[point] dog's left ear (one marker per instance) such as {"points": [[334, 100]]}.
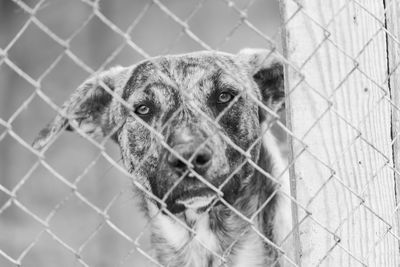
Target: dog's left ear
{"points": [[267, 71]]}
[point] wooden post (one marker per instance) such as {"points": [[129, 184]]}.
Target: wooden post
{"points": [[340, 116], [393, 46]]}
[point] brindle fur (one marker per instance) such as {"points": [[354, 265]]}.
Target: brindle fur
{"points": [[180, 91]]}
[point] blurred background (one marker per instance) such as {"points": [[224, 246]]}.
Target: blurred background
{"points": [[49, 224]]}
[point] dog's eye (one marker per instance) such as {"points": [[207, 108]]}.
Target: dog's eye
{"points": [[142, 110], [224, 98]]}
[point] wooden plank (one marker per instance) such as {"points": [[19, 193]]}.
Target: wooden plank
{"points": [[296, 242], [341, 122], [393, 43]]}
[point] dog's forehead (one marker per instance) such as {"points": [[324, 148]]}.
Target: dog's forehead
{"points": [[190, 73], [188, 63], [197, 63]]}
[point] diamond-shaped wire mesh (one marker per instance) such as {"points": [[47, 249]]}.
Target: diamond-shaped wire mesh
{"points": [[77, 202]]}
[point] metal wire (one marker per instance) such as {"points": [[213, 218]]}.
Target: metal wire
{"points": [[359, 195]]}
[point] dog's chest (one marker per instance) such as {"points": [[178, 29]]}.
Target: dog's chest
{"points": [[250, 252], [184, 248], [204, 249]]}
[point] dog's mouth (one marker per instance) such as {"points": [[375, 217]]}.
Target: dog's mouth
{"points": [[194, 196], [197, 200]]}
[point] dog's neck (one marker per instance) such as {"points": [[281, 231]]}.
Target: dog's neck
{"points": [[222, 232]]}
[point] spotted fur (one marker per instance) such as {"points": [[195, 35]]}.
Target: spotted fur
{"points": [[181, 98]]}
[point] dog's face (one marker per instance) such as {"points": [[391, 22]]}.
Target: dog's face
{"points": [[182, 122]]}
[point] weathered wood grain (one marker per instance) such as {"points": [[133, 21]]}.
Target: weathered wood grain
{"points": [[393, 45], [340, 117]]}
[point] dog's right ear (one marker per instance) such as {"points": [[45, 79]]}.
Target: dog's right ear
{"points": [[267, 71], [88, 108]]}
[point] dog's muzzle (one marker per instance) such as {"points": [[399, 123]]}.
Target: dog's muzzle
{"points": [[201, 160], [189, 146]]}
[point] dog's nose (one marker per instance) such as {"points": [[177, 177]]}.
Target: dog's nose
{"points": [[201, 161]]}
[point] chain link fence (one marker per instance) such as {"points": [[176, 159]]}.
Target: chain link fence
{"points": [[72, 204]]}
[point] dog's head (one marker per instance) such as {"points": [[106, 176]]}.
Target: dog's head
{"points": [[182, 122]]}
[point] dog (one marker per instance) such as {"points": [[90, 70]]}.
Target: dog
{"points": [[192, 130]]}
